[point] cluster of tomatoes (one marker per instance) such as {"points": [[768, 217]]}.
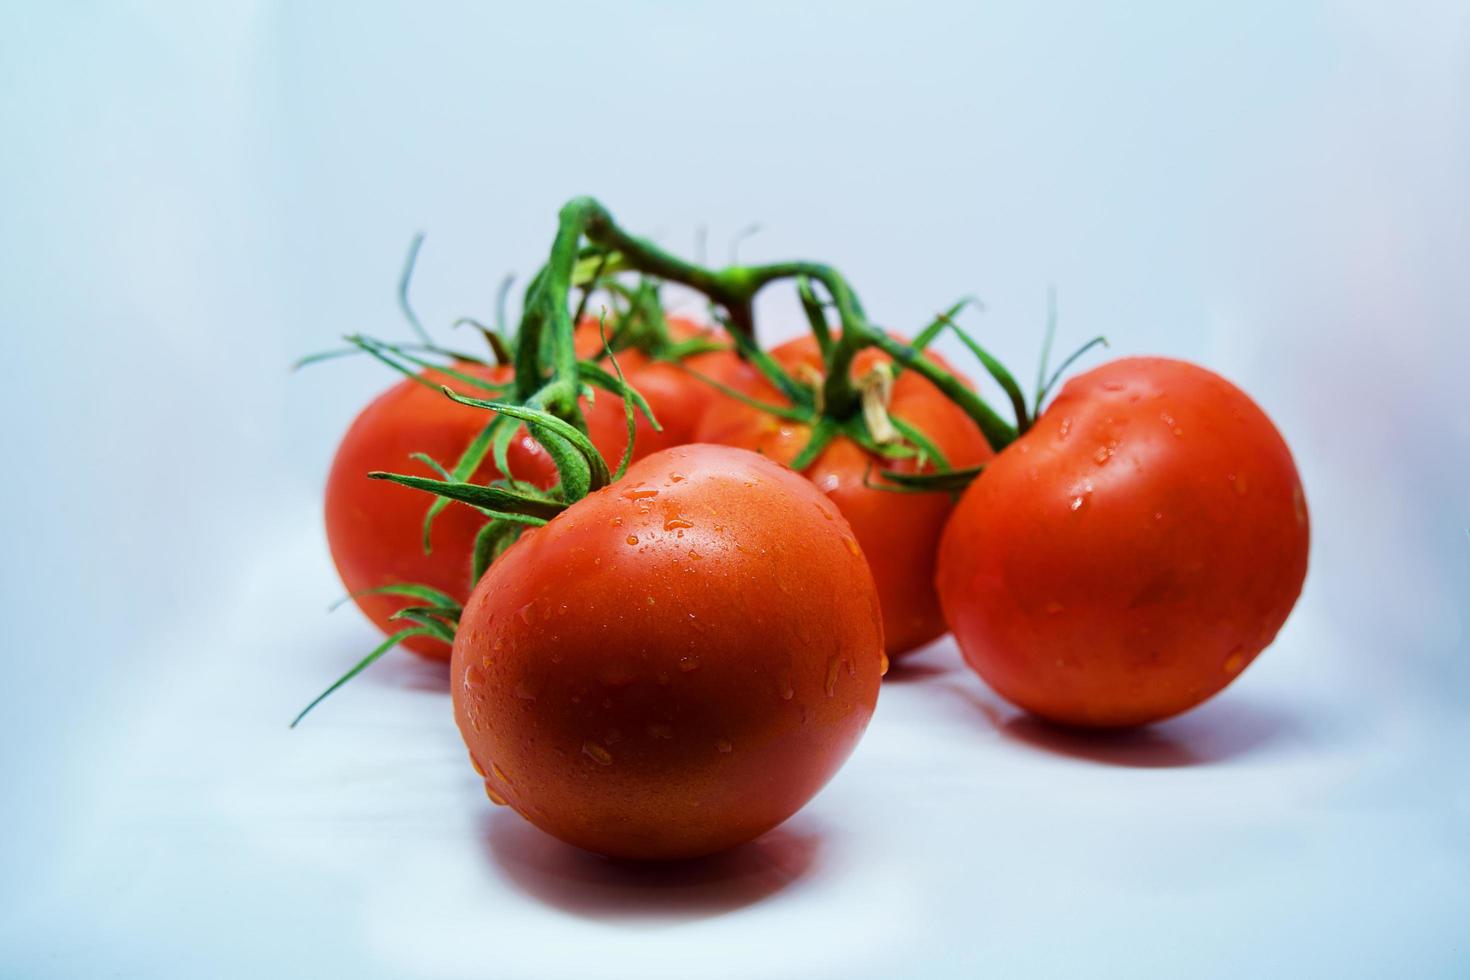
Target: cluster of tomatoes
{"points": [[670, 658]]}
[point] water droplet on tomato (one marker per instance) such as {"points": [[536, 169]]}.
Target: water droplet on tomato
{"points": [[1235, 661], [597, 753]]}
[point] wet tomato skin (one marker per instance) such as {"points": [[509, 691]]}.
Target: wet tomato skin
{"points": [[1132, 553], [676, 663], [375, 528], [899, 533]]}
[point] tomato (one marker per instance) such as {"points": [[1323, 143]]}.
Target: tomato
{"points": [[899, 533], [375, 528], [1132, 553], [676, 663]]}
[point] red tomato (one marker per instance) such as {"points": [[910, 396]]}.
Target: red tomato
{"points": [[676, 663], [899, 533], [375, 528], [1131, 554]]}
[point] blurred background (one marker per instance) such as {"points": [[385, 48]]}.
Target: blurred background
{"points": [[194, 195]]}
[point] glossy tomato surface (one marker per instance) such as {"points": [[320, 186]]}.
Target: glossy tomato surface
{"points": [[1130, 555], [676, 663], [375, 528], [899, 533]]}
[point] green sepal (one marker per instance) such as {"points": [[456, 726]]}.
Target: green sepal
{"points": [[375, 348], [951, 481], [1057, 375], [822, 435], [596, 376], [997, 371], [499, 348], [927, 447], [411, 590], [936, 326], [363, 664], [429, 621], [469, 461], [779, 411], [544, 424], [490, 544], [492, 498]]}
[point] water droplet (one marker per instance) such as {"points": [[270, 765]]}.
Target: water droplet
{"points": [[723, 745], [632, 539], [500, 774], [832, 667], [597, 753], [495, 797], [686, 664], [676, 523], [661, 731]]}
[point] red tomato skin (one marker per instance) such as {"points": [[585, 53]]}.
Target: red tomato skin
{"points": [[899, 533], [375, 528], [676, 663], [1132, 553]]}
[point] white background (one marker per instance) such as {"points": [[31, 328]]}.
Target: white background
{"points": [[193, 197]]}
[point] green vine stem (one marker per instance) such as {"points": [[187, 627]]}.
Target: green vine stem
{"points": [[734, 289]]}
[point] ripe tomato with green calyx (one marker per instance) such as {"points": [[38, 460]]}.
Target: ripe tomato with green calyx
{"points": [[1132, 552], [675, 663], [899, 533]]}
